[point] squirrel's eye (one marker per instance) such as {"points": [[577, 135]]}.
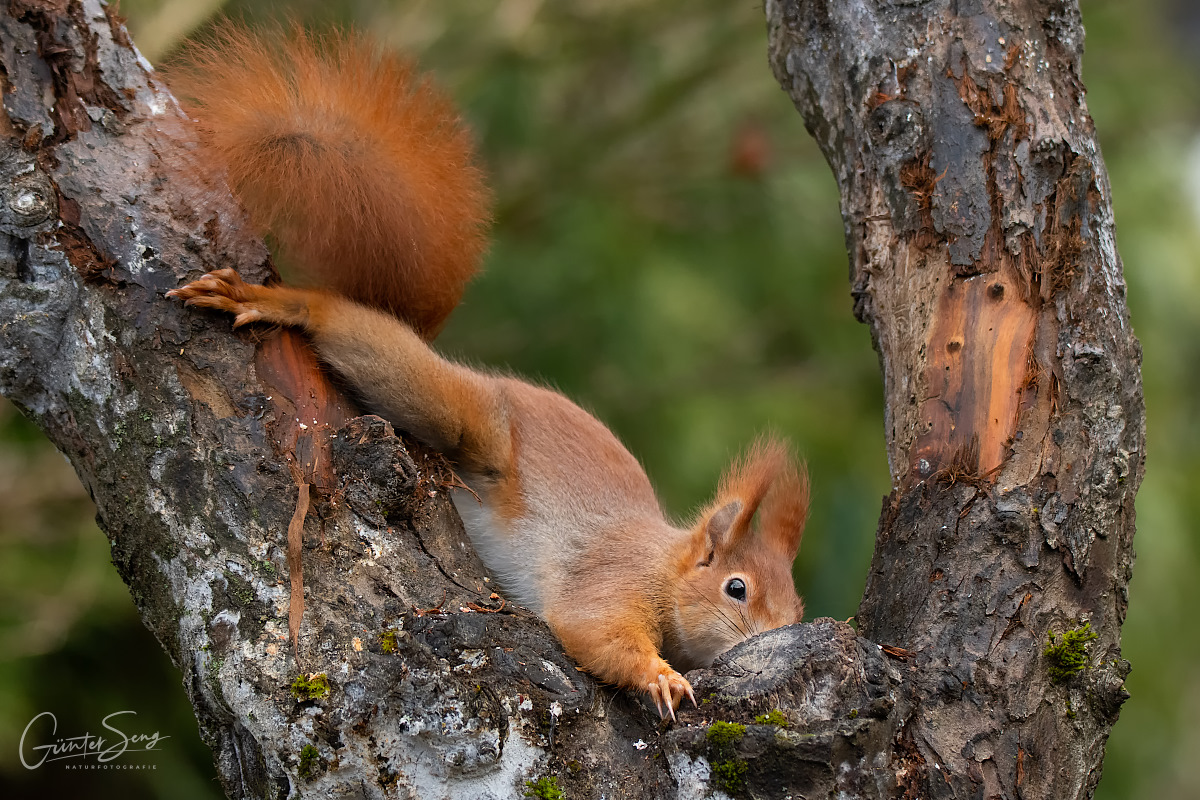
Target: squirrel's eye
{"points": [[736, 588]]}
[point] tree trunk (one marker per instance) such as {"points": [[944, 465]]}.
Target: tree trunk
{"points": [[980, 231], [979, 226]]}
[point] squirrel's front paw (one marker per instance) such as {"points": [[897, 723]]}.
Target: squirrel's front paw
{"points": [[667, 688], [223, 290]]}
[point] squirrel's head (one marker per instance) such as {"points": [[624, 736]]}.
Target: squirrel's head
{"points": [[736, 579]]}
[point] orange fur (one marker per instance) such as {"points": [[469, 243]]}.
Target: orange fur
{"points": [[725, 544], [359, 167], [768, 482]]}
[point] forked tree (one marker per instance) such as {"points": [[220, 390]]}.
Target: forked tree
{"points": [[982, 256]]}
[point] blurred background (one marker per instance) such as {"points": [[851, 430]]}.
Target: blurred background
{"points": [[668, 252]]}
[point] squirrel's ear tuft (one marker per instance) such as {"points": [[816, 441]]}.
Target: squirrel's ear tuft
{"points": [[785, 509], [767, 481]]}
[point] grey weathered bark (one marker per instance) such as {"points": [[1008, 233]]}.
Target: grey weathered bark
{"points": [[980, 233]]}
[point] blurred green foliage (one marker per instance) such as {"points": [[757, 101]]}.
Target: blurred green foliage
{"points": [[668, 252]]}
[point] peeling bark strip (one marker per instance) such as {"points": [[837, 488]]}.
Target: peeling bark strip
{"points": [[295, 562], [980, 232]]}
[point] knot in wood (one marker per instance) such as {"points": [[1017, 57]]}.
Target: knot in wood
{"points": [[28, 197]]}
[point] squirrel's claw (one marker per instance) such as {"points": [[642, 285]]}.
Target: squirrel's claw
{"points": [[224, 282], [667, 691], [656, 696], [663, 688]]}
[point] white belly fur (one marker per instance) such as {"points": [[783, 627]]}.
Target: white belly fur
{"points": [[500, 551]]}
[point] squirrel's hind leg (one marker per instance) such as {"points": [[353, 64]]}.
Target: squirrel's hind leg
{"points": [[457, 411]]}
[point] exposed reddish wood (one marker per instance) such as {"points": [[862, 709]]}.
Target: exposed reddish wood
{"points": [[977, 365], [308, 406], [308, 410]]}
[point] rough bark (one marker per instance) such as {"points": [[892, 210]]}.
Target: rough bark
{"points": [[980, 233], [979, 225]]}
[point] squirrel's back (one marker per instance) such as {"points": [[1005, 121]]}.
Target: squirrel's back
{"points": [[359, 168]]}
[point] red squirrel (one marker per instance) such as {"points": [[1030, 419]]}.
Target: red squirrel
{"points": [[363, 173]]}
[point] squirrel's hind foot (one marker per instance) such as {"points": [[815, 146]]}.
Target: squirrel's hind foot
{"points": [[225, 290]]}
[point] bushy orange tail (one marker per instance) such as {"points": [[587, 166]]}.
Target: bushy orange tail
{"points": [[359, 167]]}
